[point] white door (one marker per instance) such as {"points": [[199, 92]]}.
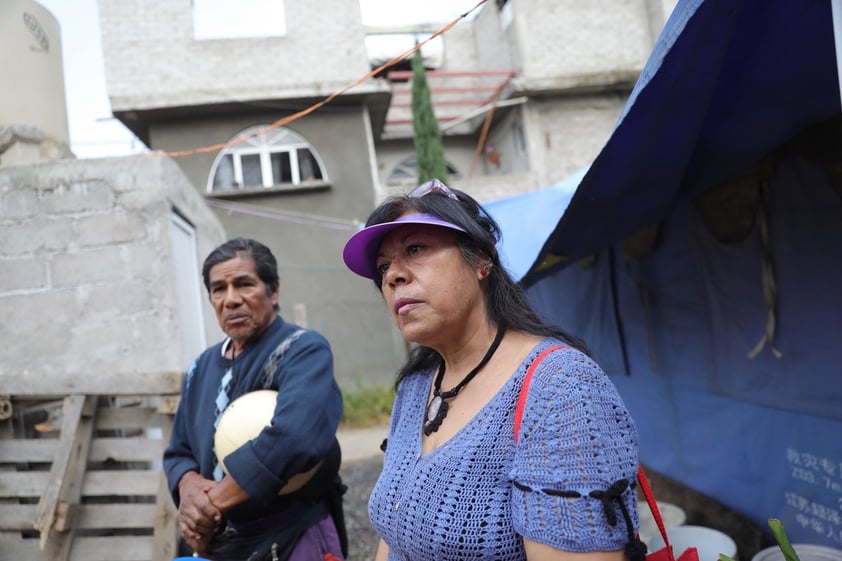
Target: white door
{"points": [[188, 289]]}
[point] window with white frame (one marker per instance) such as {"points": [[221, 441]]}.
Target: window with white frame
{"points": [[276, 158], [223, 19]]}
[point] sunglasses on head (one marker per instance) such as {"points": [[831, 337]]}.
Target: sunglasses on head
{"points": [[432, 186]]}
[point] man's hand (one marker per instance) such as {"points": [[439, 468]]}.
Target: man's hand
{"points": [[198, 518]]}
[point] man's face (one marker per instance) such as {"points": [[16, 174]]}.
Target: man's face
{"points": [[244, 306]]}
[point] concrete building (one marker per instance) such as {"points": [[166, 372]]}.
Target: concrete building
{"points": [[526, 92]]}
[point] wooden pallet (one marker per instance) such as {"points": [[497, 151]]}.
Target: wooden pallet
{"points": [[80, 469]]}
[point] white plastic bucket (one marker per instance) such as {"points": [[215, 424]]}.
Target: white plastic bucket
{"points": [[707, 541], [672, 515], [805, 551]]}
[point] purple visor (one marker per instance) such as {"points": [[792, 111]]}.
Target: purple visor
{"points": [[360, 253]]}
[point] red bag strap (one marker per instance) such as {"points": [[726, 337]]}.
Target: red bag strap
{"points": [[641, 477], [524, 388], [653, 506]]}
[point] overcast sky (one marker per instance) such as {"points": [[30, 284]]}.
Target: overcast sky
{"points": [[94, 133]]}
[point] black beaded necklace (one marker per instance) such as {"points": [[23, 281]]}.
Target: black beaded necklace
{"points": [[438, 406]]}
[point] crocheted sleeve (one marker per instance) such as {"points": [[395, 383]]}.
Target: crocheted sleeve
{"points": [[576, 459]]}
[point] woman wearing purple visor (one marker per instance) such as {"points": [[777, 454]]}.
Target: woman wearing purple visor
{"points": [[456, 484]]}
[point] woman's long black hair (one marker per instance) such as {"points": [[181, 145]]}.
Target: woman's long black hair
{"points": [[506, 300]]}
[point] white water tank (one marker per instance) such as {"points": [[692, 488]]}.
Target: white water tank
{"points": [[31, 70]]}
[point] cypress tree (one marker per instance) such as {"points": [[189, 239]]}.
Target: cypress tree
{"points": [[429, 149]]}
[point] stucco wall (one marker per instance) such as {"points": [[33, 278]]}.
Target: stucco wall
{"points": [[337, 132], [86, 275]]}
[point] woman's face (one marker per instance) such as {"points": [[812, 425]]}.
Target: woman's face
{"points": [[433, 294]]}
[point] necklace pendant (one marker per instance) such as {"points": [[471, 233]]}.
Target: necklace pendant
{"points": [[437, 409], [436, 412], [433, 408]]}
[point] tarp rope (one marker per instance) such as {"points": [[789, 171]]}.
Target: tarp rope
{"points": [[770, 287]]}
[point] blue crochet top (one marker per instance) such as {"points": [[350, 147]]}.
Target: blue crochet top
{"points": [[478, 493]]}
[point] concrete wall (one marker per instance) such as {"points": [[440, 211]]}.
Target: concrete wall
{"points": [[152, 59], [567, 133], [562, 38], [86, 274], [460, 47], [492, 42]]}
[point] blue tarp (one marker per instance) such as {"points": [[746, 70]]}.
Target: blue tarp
{"points": [[728, 87], [727, 82], [528, 217], [761, 435]]}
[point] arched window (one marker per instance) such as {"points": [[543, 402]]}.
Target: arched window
{"points": [[279, 157], [405, 174]]}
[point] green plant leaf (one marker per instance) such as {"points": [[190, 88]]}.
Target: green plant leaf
{"points": [[723, 557], [783, 541]]}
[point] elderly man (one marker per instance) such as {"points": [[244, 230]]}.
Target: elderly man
{"points": [[242, 514]]}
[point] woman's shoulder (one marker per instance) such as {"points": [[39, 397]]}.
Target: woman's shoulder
{"points": [[569, 391], [556, 350], [562, 366]]}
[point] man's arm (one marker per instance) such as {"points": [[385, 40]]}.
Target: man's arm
{"points": [[179, 457], [227, 494], [303, 429], [203, 503]]}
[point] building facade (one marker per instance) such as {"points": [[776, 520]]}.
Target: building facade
{"points": [[283, 130]]}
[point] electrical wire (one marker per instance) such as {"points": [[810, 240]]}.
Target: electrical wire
{"points": [[286, 216]]}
